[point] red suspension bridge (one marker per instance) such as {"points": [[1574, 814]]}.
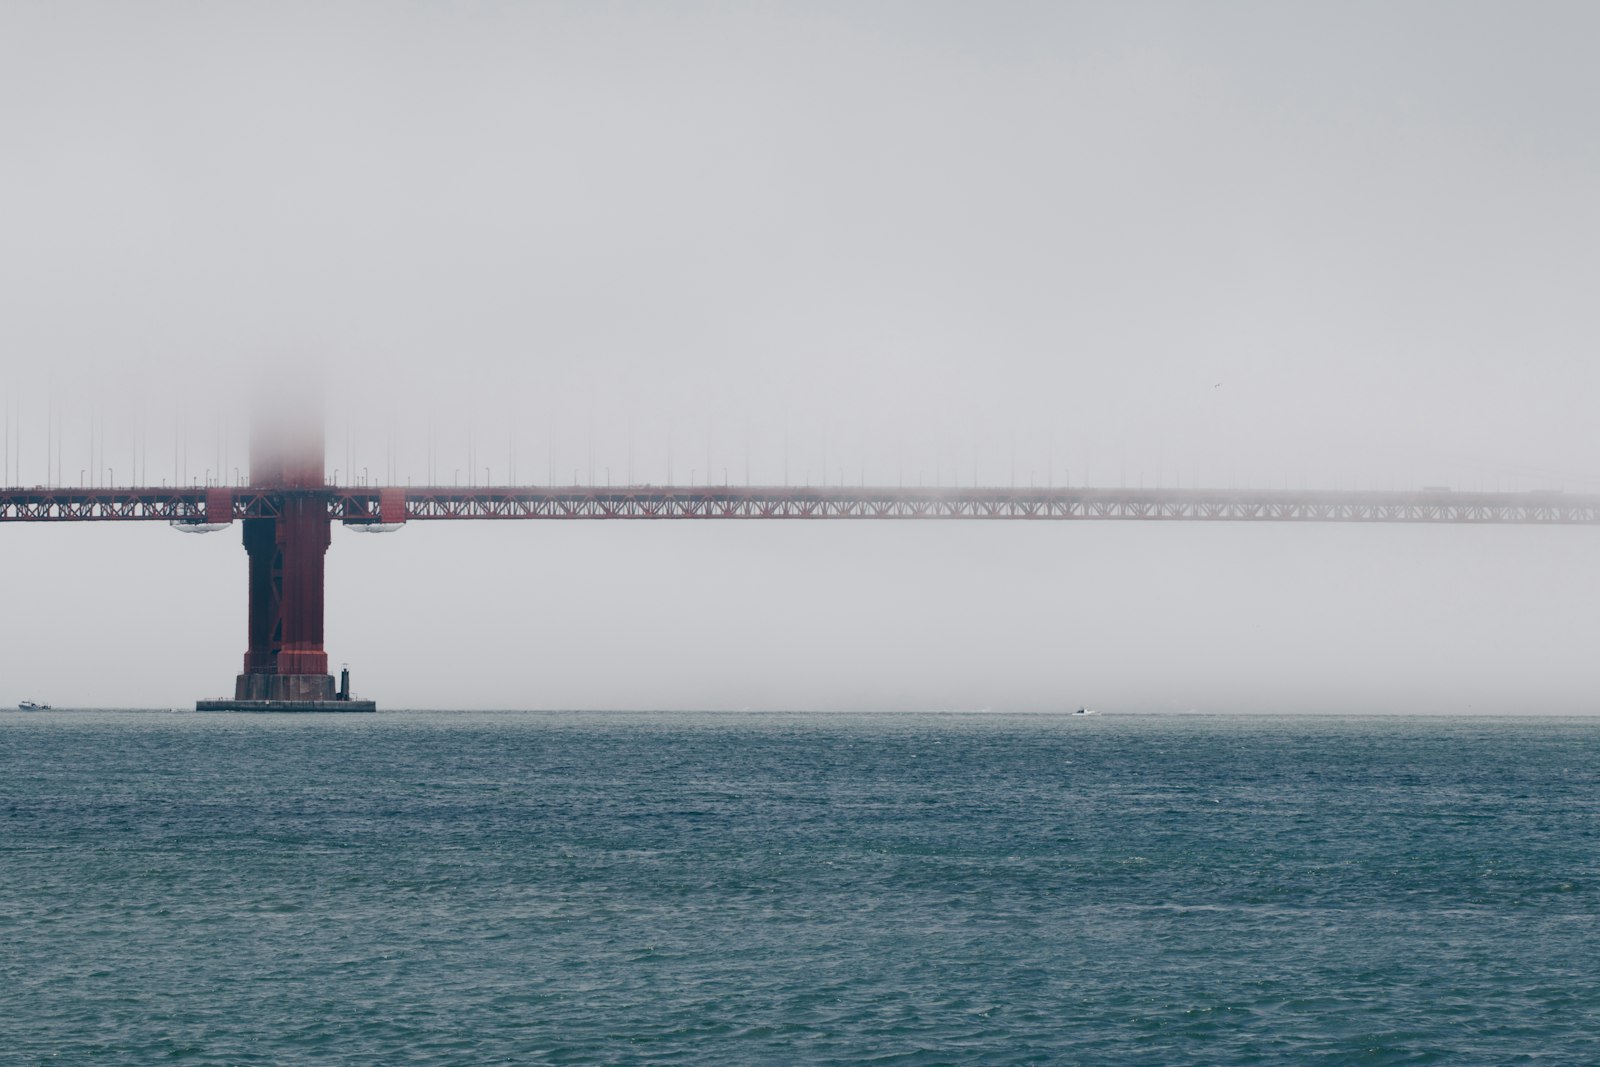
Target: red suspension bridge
{"points": [[287, 511]]}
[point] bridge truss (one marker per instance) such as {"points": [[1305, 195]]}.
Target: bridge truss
{"points": [[367, 505]]}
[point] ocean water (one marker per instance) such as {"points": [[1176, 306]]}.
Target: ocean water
{"points": [[448, 888]]}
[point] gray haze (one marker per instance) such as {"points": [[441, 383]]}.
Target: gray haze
{"points": [[1346, 245]]}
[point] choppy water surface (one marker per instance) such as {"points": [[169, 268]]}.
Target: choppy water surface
{"points": [[733, 889]]}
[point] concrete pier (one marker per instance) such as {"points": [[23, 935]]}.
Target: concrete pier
{"points": [[286, 705], [289, 692]]}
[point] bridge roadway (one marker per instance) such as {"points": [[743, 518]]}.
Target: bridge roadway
{"points": [[366, 505]]}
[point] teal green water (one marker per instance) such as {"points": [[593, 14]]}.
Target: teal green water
{"points": [[438, 888]]}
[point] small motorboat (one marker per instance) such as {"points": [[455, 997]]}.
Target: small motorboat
{"points": [[1086, 711], [28, 705]]}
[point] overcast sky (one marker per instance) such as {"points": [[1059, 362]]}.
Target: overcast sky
{"points": [[1337, 245]]}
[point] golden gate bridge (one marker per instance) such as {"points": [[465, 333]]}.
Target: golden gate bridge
{"points": [[287, 510]]}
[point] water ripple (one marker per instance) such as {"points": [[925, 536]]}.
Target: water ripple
{"points": [[724, 889]]}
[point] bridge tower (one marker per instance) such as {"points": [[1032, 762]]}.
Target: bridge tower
{"points": [[285, 666]]}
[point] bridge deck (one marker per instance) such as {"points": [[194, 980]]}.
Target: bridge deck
{"points": [[369, 505]]}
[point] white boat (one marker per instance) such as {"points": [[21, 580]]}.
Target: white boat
{"points": [[28, 705], [1086, 711]]}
